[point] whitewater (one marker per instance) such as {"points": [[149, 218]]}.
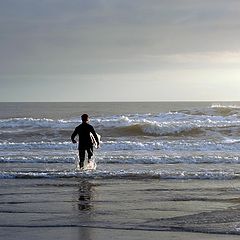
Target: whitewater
{"points": [[207, 135]]}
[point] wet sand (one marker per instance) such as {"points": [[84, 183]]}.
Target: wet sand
{"points": [[74, 208], [73, 233]]}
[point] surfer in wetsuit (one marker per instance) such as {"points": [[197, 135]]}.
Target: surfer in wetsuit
{"points": [[85, 139]]}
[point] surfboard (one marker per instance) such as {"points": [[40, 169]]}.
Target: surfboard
{"points": [[93, 139]]}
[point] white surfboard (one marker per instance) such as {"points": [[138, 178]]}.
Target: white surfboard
{"points": [[93, 139]]}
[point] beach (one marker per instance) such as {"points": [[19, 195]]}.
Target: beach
{"points": [[118, 208], [164, 171]]}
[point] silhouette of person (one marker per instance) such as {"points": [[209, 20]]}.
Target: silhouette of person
{"points": [[85, 142]]}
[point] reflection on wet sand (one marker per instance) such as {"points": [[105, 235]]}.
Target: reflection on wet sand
{"points": [[85, 196], [85, 207]]}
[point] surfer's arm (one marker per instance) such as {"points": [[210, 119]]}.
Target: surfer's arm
{"points": [[74, 134]]}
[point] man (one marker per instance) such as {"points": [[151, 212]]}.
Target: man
{"points": [[85, 139]]}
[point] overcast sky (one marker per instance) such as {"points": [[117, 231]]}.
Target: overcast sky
{"points": [[119, 50]]}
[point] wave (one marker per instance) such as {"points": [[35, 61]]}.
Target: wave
{"points": [[155, 129], [130, 125], [38, 159], [214, 110], [172, 124], [127, 174], [229, 106], [35, 123], [36, 145], [129, 145], [225, 110], [171, 159], [181, 145], [127, 159]]}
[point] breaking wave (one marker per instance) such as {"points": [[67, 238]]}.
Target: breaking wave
{"points": [[132, 125]]}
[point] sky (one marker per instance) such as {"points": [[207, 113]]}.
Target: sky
{"points": [[119, 50]]}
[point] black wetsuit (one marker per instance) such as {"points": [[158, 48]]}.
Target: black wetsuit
{"points": [[85, 140]]}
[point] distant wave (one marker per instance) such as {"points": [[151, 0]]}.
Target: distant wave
{"points": [[225, 110], [35, 123], [230, 106], [213, 110], [133, 125]]}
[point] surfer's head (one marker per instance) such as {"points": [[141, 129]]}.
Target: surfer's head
{"points": [[85, 117]]}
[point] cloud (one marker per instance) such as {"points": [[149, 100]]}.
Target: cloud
{"points": [[116, 37], [226, 58]]}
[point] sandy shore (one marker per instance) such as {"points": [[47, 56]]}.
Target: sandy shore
{"points": [[118, 209]]}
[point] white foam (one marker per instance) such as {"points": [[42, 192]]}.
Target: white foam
{"points": [[130, 157], [233, 106], [35, 123], [141, 174], [37, 159], [173, 158], [173, 145], [231, 141], [173, 127], [36, 145]]}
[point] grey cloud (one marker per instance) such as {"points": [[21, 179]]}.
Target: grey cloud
{"points": [[95, 36]]}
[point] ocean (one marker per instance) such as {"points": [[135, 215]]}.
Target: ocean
{"points": [[165, 170]]}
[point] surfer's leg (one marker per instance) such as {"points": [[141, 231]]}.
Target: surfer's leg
{"points": [[81, 157], [90, 153]]}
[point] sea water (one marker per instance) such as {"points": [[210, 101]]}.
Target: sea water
{"points": [[176, 164]]}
